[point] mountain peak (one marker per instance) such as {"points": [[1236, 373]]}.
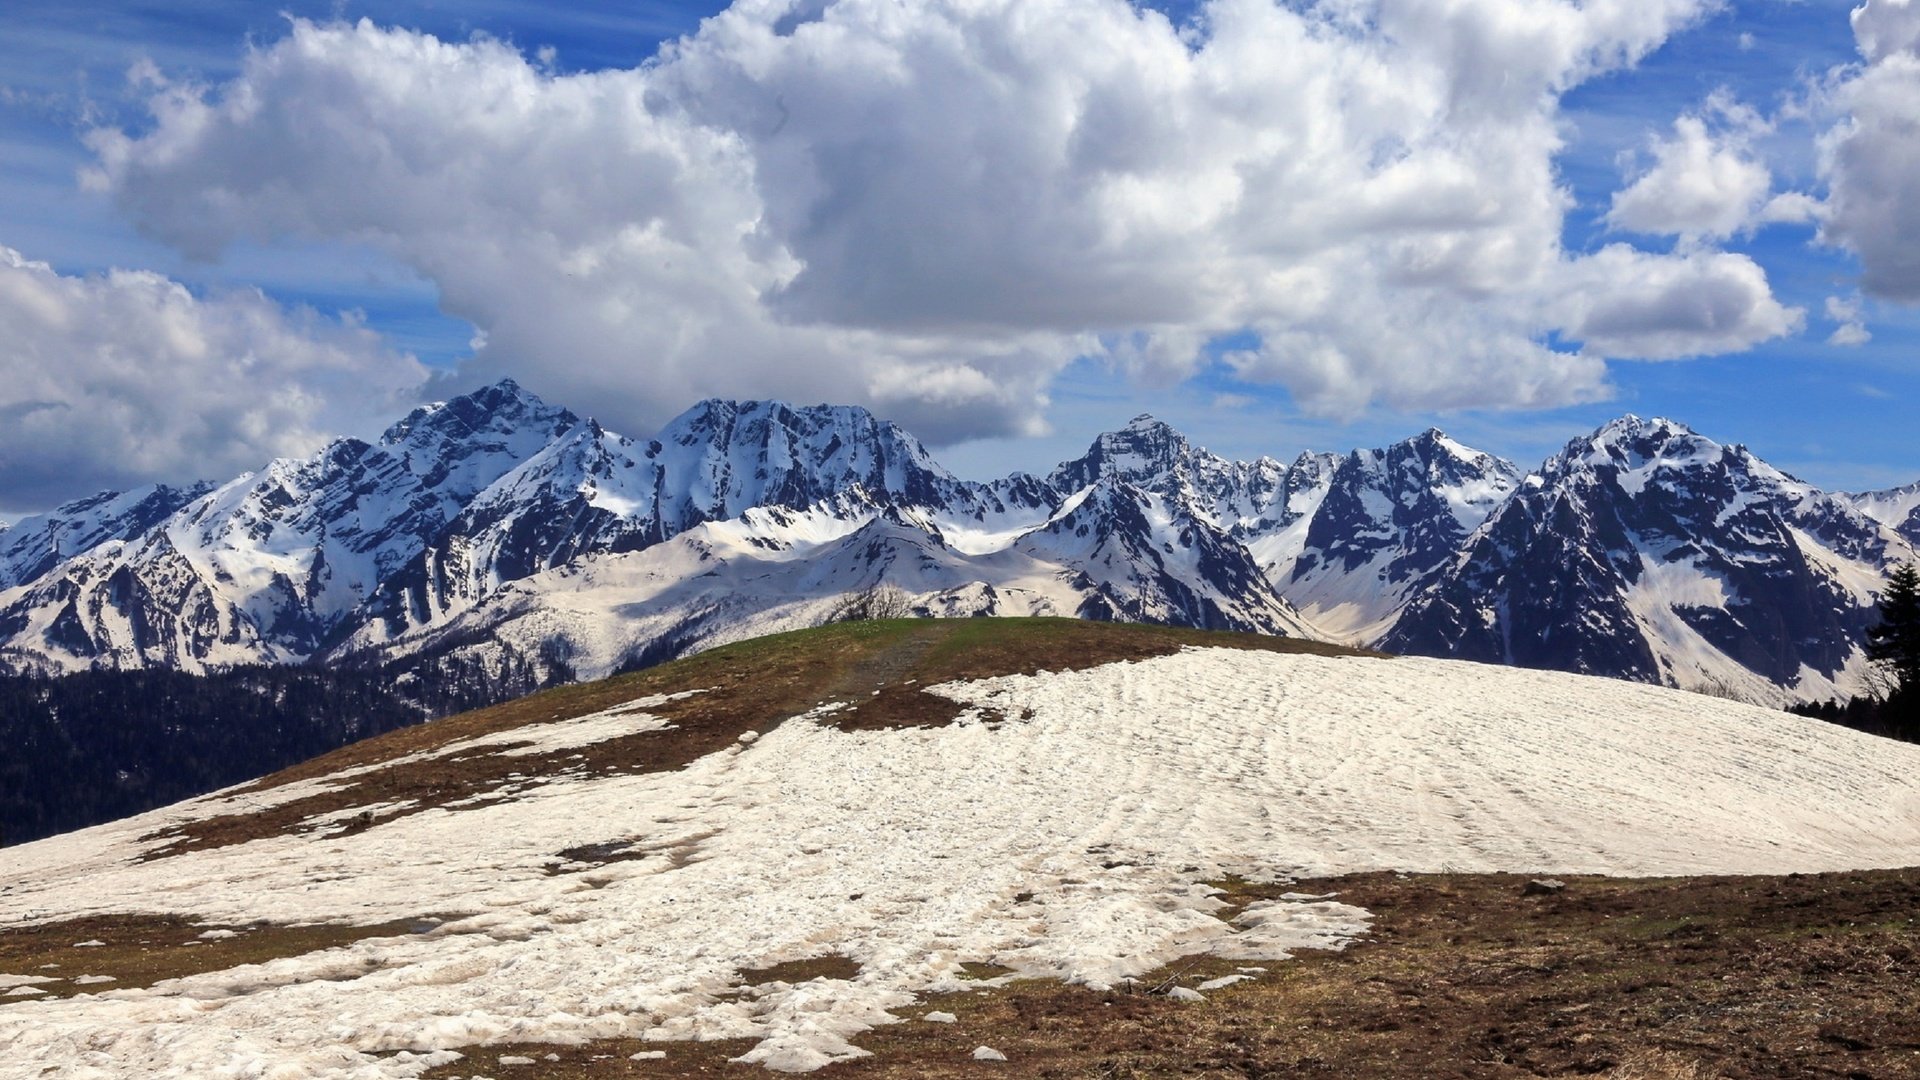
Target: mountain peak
{"points": [[1632, 426], [502, 407]]}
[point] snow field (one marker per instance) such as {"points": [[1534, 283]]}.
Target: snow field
{"points": [[904, 851]]}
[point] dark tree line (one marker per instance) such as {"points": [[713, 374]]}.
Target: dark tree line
{"points": [[77, 750], [99, 745], [1892, 708]]}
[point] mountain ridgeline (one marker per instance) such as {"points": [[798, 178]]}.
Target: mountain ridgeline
{"points": [[497, 533]]}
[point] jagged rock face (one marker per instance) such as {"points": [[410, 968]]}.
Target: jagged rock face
{"points": [[134, 605], [1145, 557], [722, 457], [1649, 552], [271, 565], [594, 492], [33, 547], [1383, 524], [1150, 455]]}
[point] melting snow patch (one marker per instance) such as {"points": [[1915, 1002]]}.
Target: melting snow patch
{"points": [[91, 980], [88, 944], [940, 1018], [23, 991], [630, 718], [217, 935], [9, 981], [648, 1055], [1223, 982]]}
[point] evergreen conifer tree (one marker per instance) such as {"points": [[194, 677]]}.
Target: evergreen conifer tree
{"points": [[1895, 645]]}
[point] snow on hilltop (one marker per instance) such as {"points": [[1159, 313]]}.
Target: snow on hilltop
{"points": [[1063, 826]]}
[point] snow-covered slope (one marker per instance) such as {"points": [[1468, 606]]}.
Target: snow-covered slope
{"points": [[34, 546], [1897, 508], [1651, 552], [1142, 556], [1064, 826]]}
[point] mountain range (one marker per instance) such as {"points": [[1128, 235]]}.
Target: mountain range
{"points": [[496, 529]]}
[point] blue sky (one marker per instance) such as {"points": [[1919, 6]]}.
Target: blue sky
{"points": [[1837, 415]]}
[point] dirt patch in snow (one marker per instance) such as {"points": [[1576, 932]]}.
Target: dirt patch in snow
{"points": [[678, 854], [1461, 976], [877, 669], [830, 966], [123, 952]]}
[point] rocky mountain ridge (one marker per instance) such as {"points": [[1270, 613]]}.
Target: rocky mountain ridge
{"points": [[497, 528]]}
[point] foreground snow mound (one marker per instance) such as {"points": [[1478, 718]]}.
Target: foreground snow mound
{"points": [[1065, 826]]}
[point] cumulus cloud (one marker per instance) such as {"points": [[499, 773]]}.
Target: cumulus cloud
{"points": [[1624, 302], [1871, 160], [126, 378], [1886, 28], [1850, 314], [934, 206], [1702, 183]]}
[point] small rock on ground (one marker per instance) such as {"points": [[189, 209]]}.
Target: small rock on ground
{"points": [[987, 1053], [1543, 887], [940, 1017]]}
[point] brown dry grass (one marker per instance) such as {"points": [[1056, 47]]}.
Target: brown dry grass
{"points": [[140, 950]]}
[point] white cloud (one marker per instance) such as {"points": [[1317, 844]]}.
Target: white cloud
{"points": [[934, 206], [1623, 302], [1703, 182], [125, 378], [1871, 159], [1886, 28], [1850, 314]]}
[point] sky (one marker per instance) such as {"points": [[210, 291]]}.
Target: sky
{"points": [[229, 232]]}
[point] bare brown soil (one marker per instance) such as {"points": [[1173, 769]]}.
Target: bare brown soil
{"points": [[1661, 979], [752, 686], [831, 966], [138, 951]]}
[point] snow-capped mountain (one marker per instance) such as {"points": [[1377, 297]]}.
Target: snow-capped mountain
{"points": [[1897, 508], [270, 565], [498, 526], [1650, 552], [593, 492], [34, 546], [1150, 455], [1376, 526]]}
